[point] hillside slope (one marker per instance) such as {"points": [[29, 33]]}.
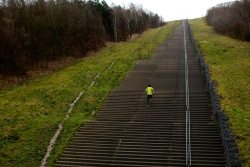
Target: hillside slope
{"points": [[30, 113], [229, 62]]}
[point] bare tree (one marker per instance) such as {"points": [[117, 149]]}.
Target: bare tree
{"points": [[34, 32], [231, 19]]}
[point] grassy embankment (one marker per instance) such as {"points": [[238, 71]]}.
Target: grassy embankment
{"points": [[229, 62], [30, 113]]}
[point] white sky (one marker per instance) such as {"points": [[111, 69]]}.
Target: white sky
{"points": [[173, 9]]}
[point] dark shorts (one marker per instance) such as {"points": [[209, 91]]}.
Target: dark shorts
{"points": [[149, 97]]}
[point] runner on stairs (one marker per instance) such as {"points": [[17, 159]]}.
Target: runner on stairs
{"points": [[149, 91]]}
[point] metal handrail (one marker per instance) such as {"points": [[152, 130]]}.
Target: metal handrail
{"points": [[188, 140]]}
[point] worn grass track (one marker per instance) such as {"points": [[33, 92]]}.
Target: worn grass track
{"points": [[30, 113], [229, 62]]}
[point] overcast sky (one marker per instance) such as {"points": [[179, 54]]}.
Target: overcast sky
{"points": [[173, 9]]}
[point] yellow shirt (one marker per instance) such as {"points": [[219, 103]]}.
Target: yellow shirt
{"points": [[149, 90]]}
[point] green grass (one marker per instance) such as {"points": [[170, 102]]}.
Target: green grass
{"points": [[30, 113], [229, 62]]}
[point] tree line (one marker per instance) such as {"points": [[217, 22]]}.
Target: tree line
{"points": [[35, 31], [231, 18]]}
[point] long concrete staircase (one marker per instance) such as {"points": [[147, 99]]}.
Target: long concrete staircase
{"points": [[128, 133]]}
